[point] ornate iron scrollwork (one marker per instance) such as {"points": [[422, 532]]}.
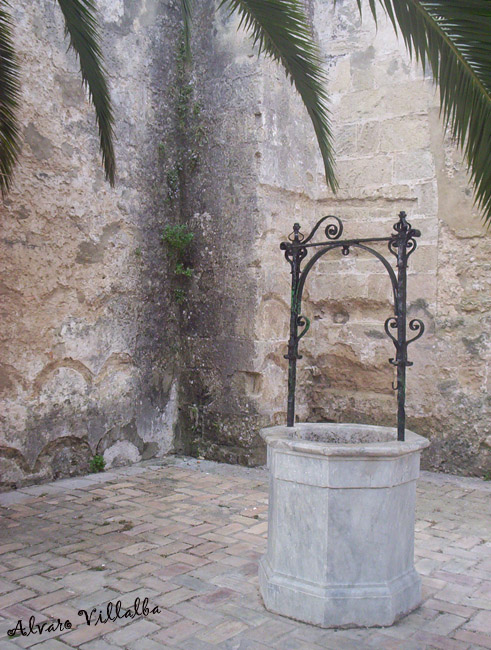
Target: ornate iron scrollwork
{"points": [[303, 321], [332, 231], [391, 322], [296, 235], [404, 236], [401, 244], [416, 324], [297, 256]]}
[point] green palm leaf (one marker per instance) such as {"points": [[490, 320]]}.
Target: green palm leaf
{"points": [[454, 37], [280, 29], [9, 101], [81, 26]]}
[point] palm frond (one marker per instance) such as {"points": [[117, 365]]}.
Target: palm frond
{"points": [[454, 38], [280, 29], [187, 14], [81, 26], [9, 101]]}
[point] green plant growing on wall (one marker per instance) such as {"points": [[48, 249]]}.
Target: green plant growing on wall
{"points": [[97, 464], [183, 270], [178, 239], [173, 182], [197, 428], [190, 132]]}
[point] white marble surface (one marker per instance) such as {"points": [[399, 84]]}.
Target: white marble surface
{"points": [[341, 524]]}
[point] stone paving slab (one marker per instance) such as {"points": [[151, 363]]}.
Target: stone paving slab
{"points": [[187, 535]]}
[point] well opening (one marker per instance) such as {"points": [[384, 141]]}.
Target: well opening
{"points": [[325, 432]]}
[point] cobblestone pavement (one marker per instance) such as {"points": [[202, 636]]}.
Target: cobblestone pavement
{"points": [[187, 536]]}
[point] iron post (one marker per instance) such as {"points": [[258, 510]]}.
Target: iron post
{"points": [[292, 355]]}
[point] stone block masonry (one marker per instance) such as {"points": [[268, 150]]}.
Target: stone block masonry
{"points": [[392, 154], [96, 355]]}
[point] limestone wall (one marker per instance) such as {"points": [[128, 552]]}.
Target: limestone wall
{"points": [[85, 318], [392, 155], [98, 356], [220, 388]]}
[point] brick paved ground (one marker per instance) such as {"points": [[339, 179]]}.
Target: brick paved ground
{"points": [[188, 535]]}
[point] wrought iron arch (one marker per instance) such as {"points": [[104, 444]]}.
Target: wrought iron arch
{"points": [[401, 244]]}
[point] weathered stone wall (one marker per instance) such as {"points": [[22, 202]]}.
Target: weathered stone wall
{"points": [[219, 383], [87, 331], [391, 156], [264, 174], [97, 353]]}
